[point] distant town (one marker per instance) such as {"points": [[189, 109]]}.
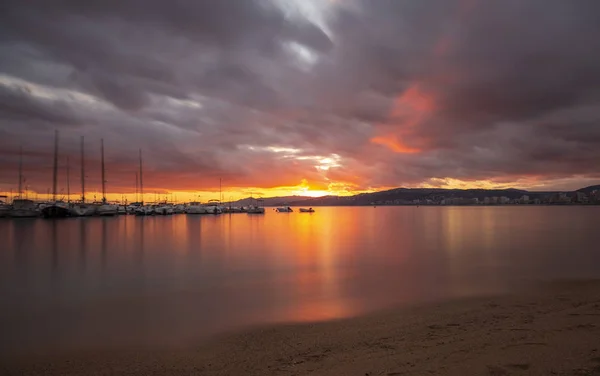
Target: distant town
{"points": [[438, 196], [557, 198]]}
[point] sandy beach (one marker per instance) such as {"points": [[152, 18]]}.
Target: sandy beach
{"points": [[549, 330]]}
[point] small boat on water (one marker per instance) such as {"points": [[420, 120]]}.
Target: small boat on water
{"points": [[305, 210], [284, 209], [256, 207], [255, 210]]}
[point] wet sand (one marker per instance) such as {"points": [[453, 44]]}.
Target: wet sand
{"points": [[549, 330]]}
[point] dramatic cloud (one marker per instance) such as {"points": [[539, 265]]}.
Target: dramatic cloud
{"points": [[327, 95]]}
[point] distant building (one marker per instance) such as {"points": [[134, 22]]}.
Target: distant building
{"points": [[580, 197], [504, 200], [524, 199]]}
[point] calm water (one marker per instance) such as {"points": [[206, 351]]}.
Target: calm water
{"points": [[98, 282]]}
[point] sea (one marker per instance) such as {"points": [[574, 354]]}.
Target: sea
{"points": [[97, 283]]}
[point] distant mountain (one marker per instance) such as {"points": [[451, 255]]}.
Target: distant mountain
{"points": [[408, 195], [589, 189], [401, 196]]}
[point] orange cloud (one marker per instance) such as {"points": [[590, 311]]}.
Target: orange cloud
{"points": [[395, 145], [408, 111]]}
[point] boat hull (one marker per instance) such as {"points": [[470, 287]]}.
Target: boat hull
{"points": [[55, 211], [82, 210], [106, 210], [255, 211], [24, 213]]}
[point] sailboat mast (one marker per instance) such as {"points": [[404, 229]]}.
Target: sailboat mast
{"points": [[141, 180], [68, 183], [103, 177], [82, 173], [55, 171], [20, 170], [137, 199], [220, 192]]}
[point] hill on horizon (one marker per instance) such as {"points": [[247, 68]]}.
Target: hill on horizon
{"points": [[404, 195]]}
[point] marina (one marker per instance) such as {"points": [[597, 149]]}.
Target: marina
{"points": [[59, 207]]}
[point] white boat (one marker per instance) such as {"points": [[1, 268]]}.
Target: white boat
{"points": [[305, 210], [164, 210], [196, 208], [23, 208], [255, 210], [82, 210], [179, 209], [213, 207], [121, 209], [144, 210], [106, 210], [284, 209]]}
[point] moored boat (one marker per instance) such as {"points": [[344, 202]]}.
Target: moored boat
{"points": [[255, 210], [56, 209], [284, 209], [82, 210], [24, 208], [144, 210], [213, 207], [305, 210], [164, 210], [4, 207], [196, 208], [106, 210]]}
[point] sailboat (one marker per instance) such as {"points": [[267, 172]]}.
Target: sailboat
{"points": [[256, 208], [81, 209], [105, 209], [23, 208], [57, 209], [4, 207], [142, 210]]}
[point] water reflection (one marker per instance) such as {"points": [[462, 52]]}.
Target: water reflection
{"points": [[159, 280], [82, 242]]}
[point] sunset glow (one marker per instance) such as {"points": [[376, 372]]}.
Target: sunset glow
{"points": [[291, 98]]}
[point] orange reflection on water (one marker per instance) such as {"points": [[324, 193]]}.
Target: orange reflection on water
{"points": [[157, 280]]}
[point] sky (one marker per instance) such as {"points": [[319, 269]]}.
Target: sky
{"points": [[304, 97]]}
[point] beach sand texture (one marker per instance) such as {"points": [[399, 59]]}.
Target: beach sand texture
{"points": [[554, 330]]}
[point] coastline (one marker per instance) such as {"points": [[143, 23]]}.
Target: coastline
{"points": [[552, 329]]}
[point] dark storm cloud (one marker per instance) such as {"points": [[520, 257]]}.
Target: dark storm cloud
{"points": [[18, 104], [465, 89]]}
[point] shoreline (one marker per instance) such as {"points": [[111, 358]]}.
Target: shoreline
{"points": [[552, 328]]}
